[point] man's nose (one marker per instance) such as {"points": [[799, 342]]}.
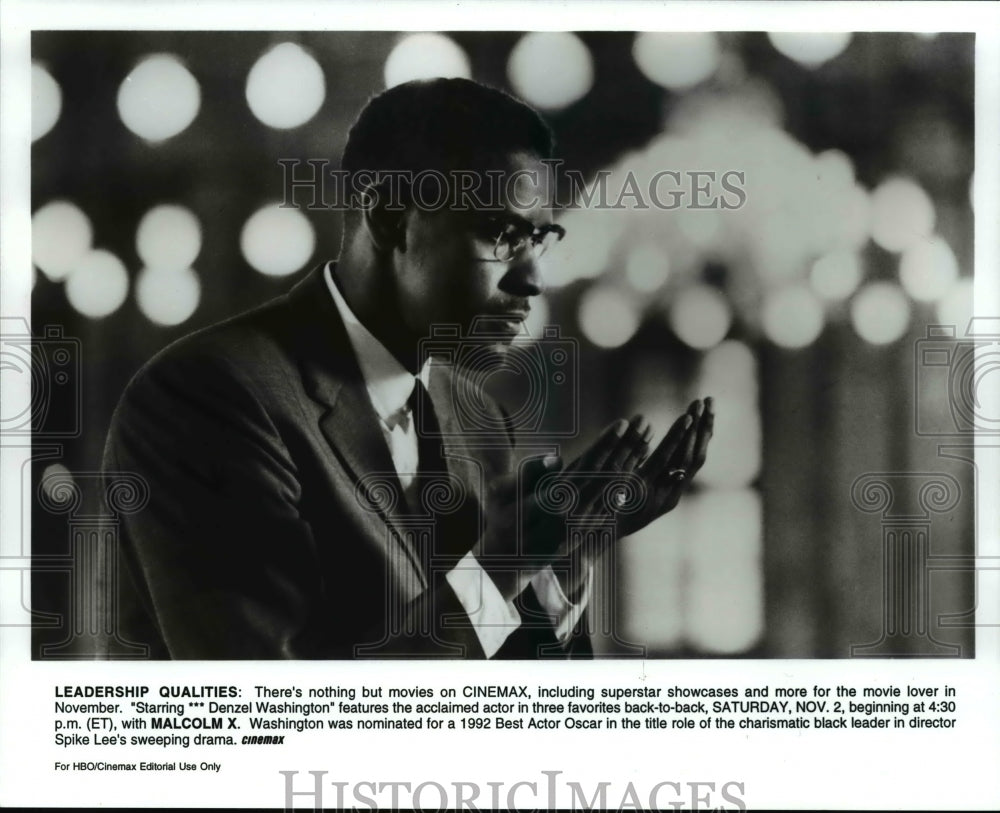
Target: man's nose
{"points": [[523, 277]]}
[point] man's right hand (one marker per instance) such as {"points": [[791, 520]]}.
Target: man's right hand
{"points": [[523, 532]]}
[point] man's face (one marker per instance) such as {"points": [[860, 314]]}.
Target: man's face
{"points": [[446, 270]]}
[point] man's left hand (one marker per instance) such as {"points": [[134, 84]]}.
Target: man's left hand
{"points": [[669, 470]]}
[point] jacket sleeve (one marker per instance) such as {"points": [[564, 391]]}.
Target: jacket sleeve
{"points": [[221, 558], [536, 637]]}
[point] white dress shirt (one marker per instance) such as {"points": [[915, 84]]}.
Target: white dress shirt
{"points": [[389, 386]]}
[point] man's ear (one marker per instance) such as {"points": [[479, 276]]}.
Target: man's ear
{"points": [[386, 227]]}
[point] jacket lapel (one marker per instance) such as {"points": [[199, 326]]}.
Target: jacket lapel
{"points": [[349, 424], [461, 462]]}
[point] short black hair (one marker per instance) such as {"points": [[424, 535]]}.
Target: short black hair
{"points": [[442, 125]]}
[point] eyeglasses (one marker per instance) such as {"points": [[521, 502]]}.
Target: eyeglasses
{"points": [[513, 238]]}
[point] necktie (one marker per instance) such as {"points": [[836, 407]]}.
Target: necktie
{"points": [[456, 530], [430, 460]]}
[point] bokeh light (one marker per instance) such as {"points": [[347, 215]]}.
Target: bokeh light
{"points": [[837, 275], [928, 269], [880, 313], [647, 267], [166, 296], [159, 98], [61, 235], [729, 375], [46, 101], [703, 228], [729, 371], [277, 241], [725, 612], [792, 316], [700, 316], [834, 169], [810, 48], [425, 56], [655, 574], [836, 207], [780, 247], [955, 307], [846, 219], [168, 237], [285, 87], [607, 316], [902, 214], [550, 69], [98, 285], [676, 60]]}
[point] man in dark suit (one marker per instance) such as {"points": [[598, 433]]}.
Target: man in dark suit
{"points": [[313, 493]]}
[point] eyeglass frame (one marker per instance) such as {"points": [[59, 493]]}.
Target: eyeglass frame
{"points": [[534, 238]]}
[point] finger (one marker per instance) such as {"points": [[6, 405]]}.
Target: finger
{"points": [[684, 454], [593, 457], [592, 484], [629, 447], [705, 430], [590, 480], [640, 452], [667, 447], [675, 474], [537, 467]]}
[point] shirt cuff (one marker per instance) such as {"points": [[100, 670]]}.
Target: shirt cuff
{"points": [[563, 614], [493, 619]]}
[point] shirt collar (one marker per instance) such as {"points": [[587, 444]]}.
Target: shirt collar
{"points": [[388, 382]]}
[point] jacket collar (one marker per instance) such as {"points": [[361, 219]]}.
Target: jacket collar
{"points": [[333, 378], [388, 382]]}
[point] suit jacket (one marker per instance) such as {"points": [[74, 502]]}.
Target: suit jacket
{"points": [[274, 527]]}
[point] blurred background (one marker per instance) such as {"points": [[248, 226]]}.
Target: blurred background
{"points": [[155, 191]]}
